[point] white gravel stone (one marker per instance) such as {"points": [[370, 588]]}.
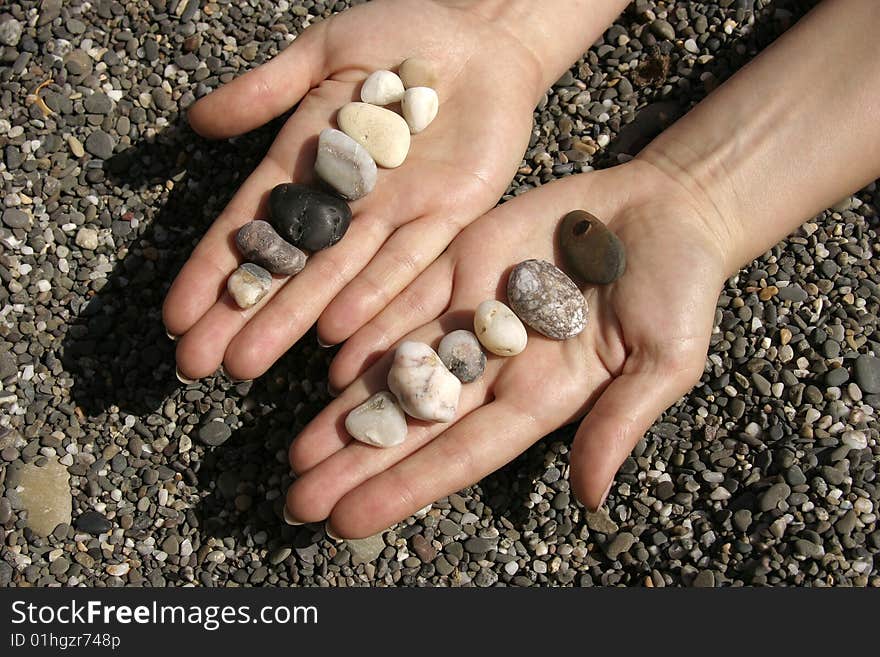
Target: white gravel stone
{"points": [[855, 439], [419, 106], [379, 421], [382, 88], [383, 133], [345, 165], [87, 238], [498, 329], [424, 387], [248, 284]]}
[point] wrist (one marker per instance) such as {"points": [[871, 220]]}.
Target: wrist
{"points": [[555, 38]]}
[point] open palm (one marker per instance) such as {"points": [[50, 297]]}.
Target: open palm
{"points": [[456, 170], [644, 346]]}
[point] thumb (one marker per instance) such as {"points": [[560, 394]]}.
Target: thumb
{"points": [[262, 94], [618, 420]]}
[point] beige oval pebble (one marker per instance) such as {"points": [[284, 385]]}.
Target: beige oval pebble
{"points": [[419, 106], [417, 72], [383, 133], [382, 88], [499, 329]]}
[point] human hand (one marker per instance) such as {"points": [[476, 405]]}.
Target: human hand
{"points": [[644, 346], [489, 83]]}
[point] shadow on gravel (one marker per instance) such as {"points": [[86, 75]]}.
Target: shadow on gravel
{"points": [[116, 348]]}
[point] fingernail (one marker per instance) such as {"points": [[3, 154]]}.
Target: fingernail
{"points": [[171, 336], [606, 493], [290, 520], [330, 533], [231, 379], [323, 344], [182, 378]]}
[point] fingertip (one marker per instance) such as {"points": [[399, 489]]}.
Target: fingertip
{"points": [[195, 358]]}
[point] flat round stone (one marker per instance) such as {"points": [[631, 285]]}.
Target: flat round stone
{"points": [[308, 218], [424, 387], [419, 107], [345, 165], [546, 299], [248, 284], [462, 355], [417, 72], [382, 132], [499, 329], [591, 252], [379, 421], [382, 88], [258, 242]]}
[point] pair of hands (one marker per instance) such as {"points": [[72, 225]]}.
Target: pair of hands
{"points": [[393, 277]]}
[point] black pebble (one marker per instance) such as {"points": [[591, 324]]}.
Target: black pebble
{"points": [[308, 218], [93, 523]]}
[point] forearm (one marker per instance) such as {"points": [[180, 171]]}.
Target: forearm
{"points": [[792, 133], [557, 32]]}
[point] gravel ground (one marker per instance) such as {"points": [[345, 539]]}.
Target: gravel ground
{"points": [[764, 474]]}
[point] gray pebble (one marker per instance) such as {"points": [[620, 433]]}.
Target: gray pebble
{"points": [[258, 242], [867, 373], [214, 433], [462, 355], [543, 297]]}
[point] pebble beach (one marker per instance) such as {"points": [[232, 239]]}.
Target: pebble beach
{"points": [[114, 473]]}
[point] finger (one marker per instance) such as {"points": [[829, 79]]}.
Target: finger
{"points": [[202, 280], [466, 452], [265, 92], [298, 304], [292, 155], [325, 434], [424, 300], [618, 420], [409, 251], [313, 495]]}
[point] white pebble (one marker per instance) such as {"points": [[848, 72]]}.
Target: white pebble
{"points": [[379, 421], [345, 165], [424, 387], [382, 88], [419, 106], [498, 329]]}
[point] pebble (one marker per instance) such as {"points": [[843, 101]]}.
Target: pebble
{"points": [[345, 165], [867, 373], [100, 144], [118, 569], [383, 133], [590, 250], [499, 329], [382, 88], [308, 218], [92, 522], [87, 238], [365, 550], [45, 494], [75, 146], [462, 355], [546, 299], [258, 242], [424, 387], [249, 284], [773, 496], [417, 72], [419, 107], [621, 543], [379, 421], [214, 433], [10, 31]]}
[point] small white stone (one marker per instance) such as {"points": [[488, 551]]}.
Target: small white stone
{"points": [[424, 387], [118, 569], [379, 421], [382, 88], [87, 238], [248, 284], [419, 106], [855, 439], [345, 165], [383, 133], [499, 329]]}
